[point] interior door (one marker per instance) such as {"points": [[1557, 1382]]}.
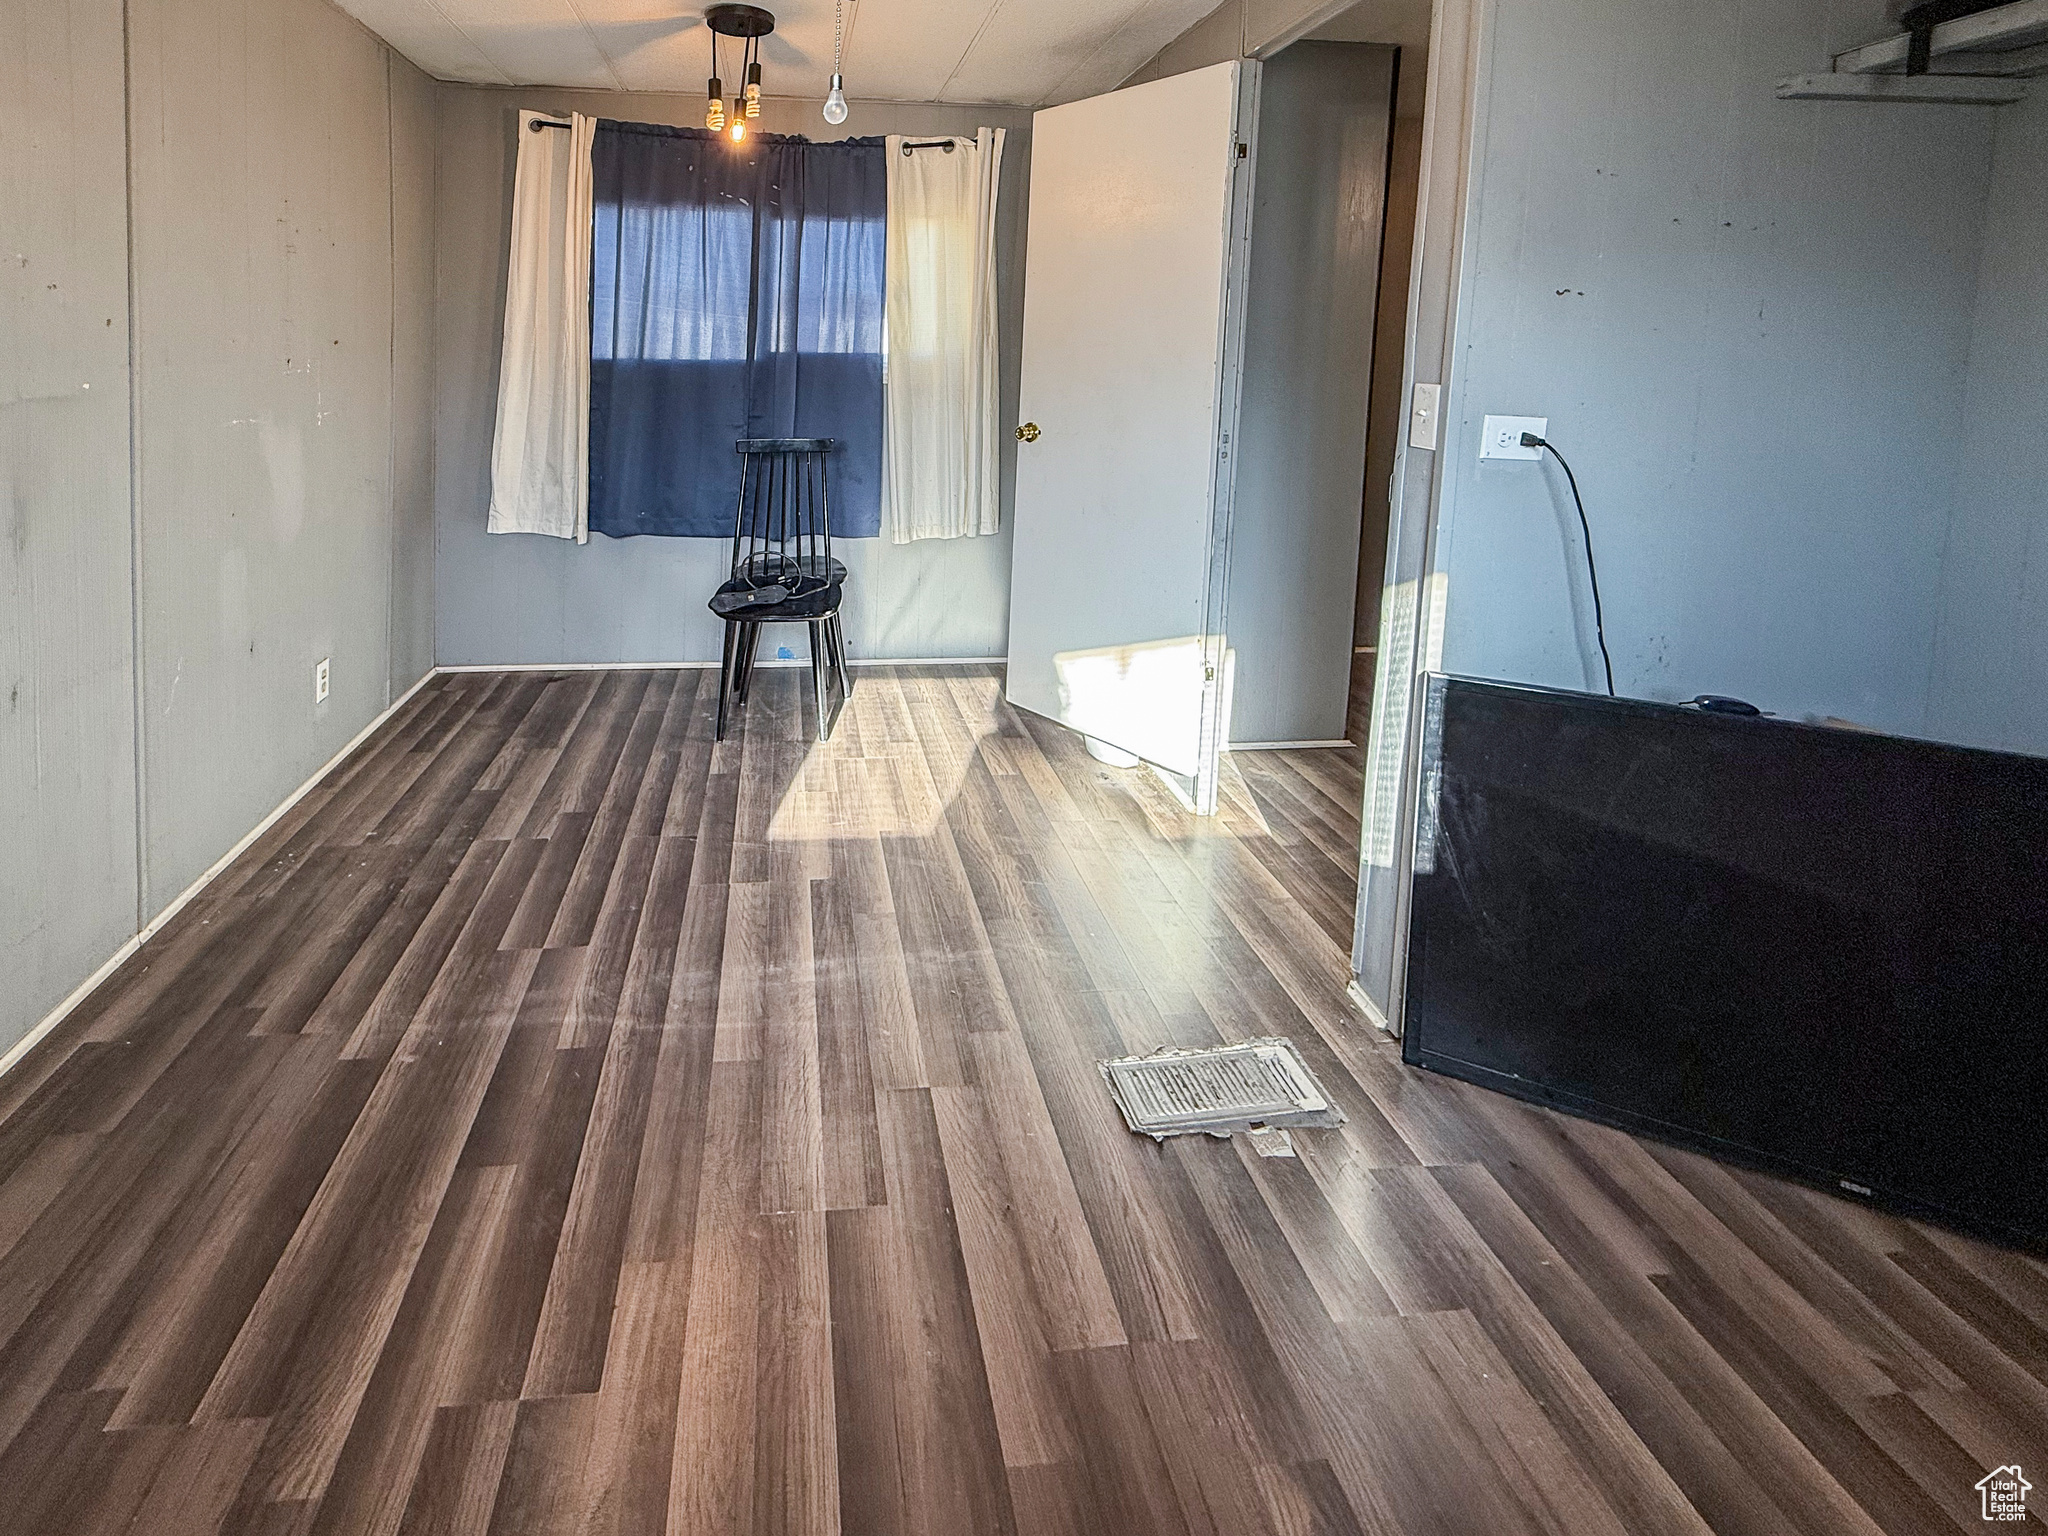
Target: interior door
{"points": [[1133, 310]]}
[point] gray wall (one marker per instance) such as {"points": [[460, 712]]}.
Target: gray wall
{"points": [[67, 704], [275, 201], [415, 136], [1255, 29], [1748, 322], [1260, 28], [1991, 661], [527, 598], [1324, 115]]}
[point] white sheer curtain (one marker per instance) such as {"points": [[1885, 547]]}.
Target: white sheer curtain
{"points": [[941, 399], [540, 459]]}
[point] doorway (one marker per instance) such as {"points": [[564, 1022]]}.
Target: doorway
{"points": [[1396, 624]]}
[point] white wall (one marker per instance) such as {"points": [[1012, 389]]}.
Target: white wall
{"points": [[1991, 661], [1748, 322], [525, 598]]}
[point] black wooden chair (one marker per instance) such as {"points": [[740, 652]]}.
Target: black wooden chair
{"points": [[783, 570]]}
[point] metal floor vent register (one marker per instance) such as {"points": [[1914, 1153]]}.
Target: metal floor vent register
{"points": [[1221, 1091]]}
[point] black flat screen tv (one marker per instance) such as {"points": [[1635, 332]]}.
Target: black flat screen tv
{"points": [[1818, 951]]}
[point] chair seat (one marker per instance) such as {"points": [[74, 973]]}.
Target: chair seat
{"points": [[736, 600]]}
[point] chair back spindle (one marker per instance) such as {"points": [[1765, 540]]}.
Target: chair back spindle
{"points": [[782, 528]]}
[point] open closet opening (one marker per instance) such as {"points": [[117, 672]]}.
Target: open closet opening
{"points": [[1374, 46], [1302, 535]]}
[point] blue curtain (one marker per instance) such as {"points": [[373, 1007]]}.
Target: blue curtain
{"points": [[736, 291]]}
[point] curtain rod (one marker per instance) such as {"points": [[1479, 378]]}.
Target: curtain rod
{"points": [[947, 145]]}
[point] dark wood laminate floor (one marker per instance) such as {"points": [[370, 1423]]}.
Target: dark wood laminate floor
{"points": [[559, 1123]]}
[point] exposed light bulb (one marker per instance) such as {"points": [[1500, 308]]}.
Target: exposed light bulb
{"points": [[714, 109], [754, 89], [739, 128], [835, 104]]}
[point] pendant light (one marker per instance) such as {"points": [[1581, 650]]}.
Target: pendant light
{"points": [[750, 24], [835, 103], [714, 90]]}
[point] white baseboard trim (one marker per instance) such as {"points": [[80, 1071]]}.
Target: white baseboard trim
{"points": [[1286, 746], [1365, 1005], [57, 1015], [584, 666], [687, 666]]}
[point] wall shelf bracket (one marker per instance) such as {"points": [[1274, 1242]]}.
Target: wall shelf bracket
{"points": [[1981, 61]]}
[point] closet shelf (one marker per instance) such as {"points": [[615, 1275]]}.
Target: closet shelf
{"points": [[1982, 60]]}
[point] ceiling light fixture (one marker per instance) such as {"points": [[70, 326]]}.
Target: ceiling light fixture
{"points": [[750, 24], [835, 104], [714, 91]]}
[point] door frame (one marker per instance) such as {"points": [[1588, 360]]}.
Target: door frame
{"points": [[1205, 792], [1414, 585]]}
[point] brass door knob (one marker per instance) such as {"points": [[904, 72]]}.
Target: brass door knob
{"points": [[1028, 433]]}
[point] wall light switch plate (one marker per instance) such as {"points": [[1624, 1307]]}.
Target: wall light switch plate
{"points": [[1502, 438], [320, 680], [1422, 421]]}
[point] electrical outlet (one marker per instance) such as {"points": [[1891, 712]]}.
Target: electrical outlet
{"points": [[1502, 438], [320, 680]]}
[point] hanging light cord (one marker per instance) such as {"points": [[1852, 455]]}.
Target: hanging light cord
{"points": [[1531, 440], [838, 33]]}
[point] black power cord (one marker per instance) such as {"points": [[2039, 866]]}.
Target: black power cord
{"points": [[1531, 440]]}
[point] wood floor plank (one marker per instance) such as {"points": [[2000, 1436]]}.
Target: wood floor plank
{"points": [[1015, 1327], [793, 1108], [947, 1433], [712, 1473], [796, 1449], [561, 1121], [455, 1488], [306, 1354], [625, 1475], [174, 1341], [81, 1267], [850, 1146], [867, 1342], [568, 1349], [421, 1361]]}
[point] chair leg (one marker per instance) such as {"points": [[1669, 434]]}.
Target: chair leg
{"points": [[838, 638], [725, 671], [819, 661], [750, 641]]}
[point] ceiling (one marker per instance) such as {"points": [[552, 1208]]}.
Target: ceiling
{"points": [[1023, 52]]}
